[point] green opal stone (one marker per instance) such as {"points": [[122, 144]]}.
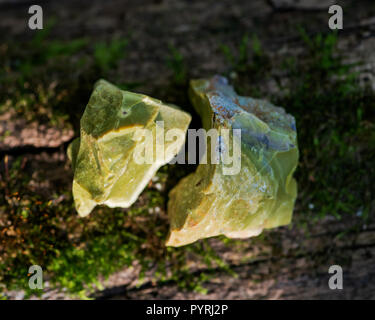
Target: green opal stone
{"points": [[105, 171], [261, 194]]}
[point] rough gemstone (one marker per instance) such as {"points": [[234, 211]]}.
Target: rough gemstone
{"points": [[261, 194], [105, 169]]}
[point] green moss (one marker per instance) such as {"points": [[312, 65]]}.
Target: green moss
{"points": [[248, 64], [75, 252], [177, 64], [107, 55]]}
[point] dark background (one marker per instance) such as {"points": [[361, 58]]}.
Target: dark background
{"points": [[278, 50]]}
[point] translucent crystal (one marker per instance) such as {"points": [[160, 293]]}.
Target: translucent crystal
{"points": [[259, 195], [105, 168]]}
